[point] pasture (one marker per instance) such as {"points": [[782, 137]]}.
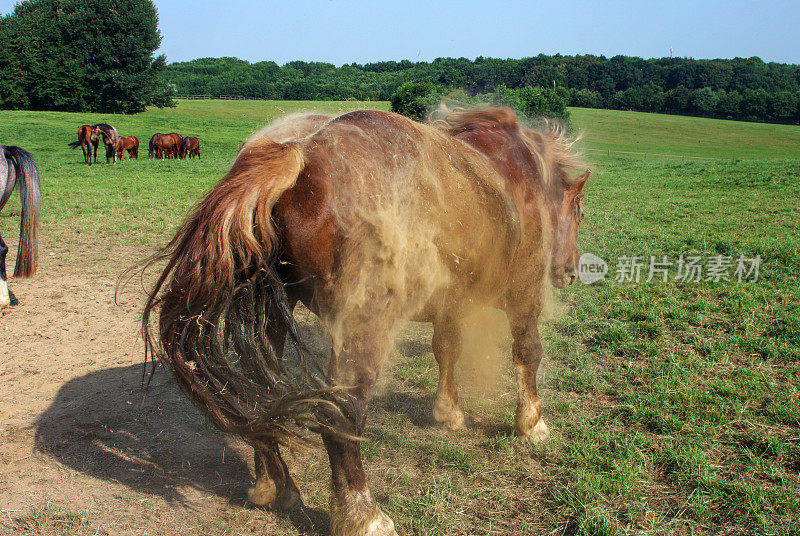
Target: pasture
{"points": [[674, 406]]}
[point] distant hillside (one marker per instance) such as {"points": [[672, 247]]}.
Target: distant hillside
{"points": [[740, 88]]}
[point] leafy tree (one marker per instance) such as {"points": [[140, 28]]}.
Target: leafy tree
{"points": [[82, 55], [704, 101], [729, 104], [586, 98], [783, 105], [754, 103], [415, 100], [677, 100], [543, 102]]}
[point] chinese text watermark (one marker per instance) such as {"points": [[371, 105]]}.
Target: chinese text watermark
{"points": [[683, 269]]}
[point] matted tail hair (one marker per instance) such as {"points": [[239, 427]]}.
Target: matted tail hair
{"points": [[217, 299], [28, 176]]}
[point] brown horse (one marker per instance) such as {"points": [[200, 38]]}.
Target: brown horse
{"points": [[86, 140], [165, 145], [126, 143], [109, 136], [175, 147], [17, 166], [369, 219], [155, 147], [190, 146]]}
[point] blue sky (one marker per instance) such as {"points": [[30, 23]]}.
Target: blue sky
{"points": [[343, 31]]}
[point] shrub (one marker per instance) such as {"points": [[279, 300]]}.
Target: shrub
{"points": [[415, 99]]}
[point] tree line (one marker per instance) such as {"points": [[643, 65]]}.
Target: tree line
{"points": [[82, 56], [98, 56], [740, 88]]}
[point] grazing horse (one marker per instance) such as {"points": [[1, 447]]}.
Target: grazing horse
{"points": [[129, 143], [164, 145], [175, 147], [17, 165], [190, 146], [369, 219], [155, 146], [109, 136], [86, 140]]}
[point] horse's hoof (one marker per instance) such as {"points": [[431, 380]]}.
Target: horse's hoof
{"points": [[357, 514], [453, 420], [265, 495], [288, 499], [538, 434], [12, 299], [456, 425], [6, 297], [382, 525]]}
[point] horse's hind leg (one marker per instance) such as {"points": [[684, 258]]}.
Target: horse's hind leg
{"points": [[447, 350], [527, 352], [274, 488], [354, 511]]}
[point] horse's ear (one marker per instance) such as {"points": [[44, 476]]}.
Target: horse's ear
{"points": [[576, 186]]}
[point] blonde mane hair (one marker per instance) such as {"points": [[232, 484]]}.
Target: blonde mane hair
{"points": [[549, 143]]}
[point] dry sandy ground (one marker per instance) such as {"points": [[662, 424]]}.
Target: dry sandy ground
{"points": [[82, 449]]}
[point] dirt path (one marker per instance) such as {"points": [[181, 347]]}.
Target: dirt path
{"points": [[81, 452]]}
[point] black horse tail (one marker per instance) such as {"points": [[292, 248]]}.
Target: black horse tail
{"points": [[218, 298], [150, 147], [81, 137], [28, 176]]}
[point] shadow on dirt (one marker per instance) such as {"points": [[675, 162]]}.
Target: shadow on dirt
{"points": [[100, 424]]}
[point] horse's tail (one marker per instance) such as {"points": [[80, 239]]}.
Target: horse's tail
{"points": [[80, 139], [28, 175], [218, 297]]}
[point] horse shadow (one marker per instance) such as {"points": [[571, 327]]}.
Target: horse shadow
{"points": [[153, 441]]}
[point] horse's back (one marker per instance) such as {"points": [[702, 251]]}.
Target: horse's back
{"points": [[404, 207]]}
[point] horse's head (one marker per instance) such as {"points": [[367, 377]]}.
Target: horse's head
{"points": [[119, 149], [564, 260]]}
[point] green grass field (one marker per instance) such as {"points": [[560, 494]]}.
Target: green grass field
{"points": [[613, 130], [675, 407]]}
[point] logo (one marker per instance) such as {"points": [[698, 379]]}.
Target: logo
{"points": [[591, 269]]}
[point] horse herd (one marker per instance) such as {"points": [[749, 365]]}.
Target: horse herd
{"points": [[171, 145], [18, 169], [369, 219]]}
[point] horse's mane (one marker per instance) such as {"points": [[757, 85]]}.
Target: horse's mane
{"points": [[549, 142], [108, 130], [293, 127]]}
